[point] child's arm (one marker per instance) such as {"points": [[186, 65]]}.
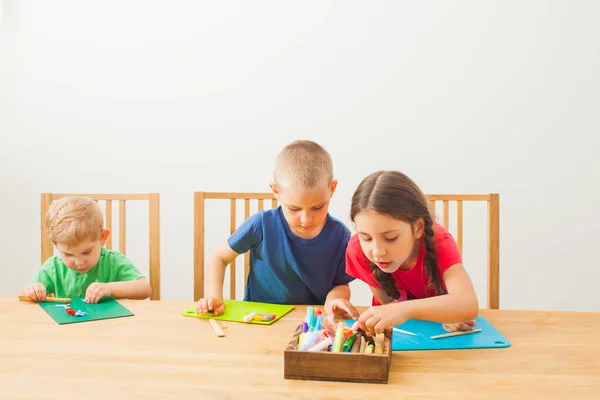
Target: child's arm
{"points": [[338, 301], [215, 276], [138, 289], [460, 304]]}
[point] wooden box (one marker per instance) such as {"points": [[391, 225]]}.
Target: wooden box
{"points": [[345, 367]]}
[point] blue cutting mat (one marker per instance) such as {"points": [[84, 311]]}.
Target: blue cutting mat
{"points": [[488, 338]]}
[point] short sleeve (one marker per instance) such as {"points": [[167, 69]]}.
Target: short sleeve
{"points": [[248, 235], [44, 275], [446, 251], [341, 277], [125, 270], [357, 264]]}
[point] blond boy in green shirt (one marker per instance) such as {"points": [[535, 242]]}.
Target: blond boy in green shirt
{"points": [[85, 268]]}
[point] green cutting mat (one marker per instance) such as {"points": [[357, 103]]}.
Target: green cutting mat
{"points": [[235, 310], [106, 308]]}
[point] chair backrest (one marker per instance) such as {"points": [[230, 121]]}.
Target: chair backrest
{"points": [[493, 233], [199, 222], [492, 201], [154, 227]]}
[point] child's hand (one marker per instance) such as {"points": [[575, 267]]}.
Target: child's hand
{"points": [[377, 318], [341, 306], [96, 291], [210, 304], [460, 326], [36, 292]]}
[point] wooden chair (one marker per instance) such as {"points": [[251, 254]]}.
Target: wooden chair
{"points": [[199, 200], [493, 228], [154, 228], [492, 201]]}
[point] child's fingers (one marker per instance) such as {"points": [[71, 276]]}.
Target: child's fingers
{"points": [[379, 327], [31, 293], [464, 326], [220, 309], [370, 324], [354, 312], [199, 307], [99, 294], [365, 316], [94, 295], [89, 293], [41, 293], [210, 304], [348, 308]]}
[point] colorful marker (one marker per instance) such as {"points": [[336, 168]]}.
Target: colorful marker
{"points": [[312, 323], [309, 313], [249, 317], [348, 344], [322, 345], [339, 337], [264, 317]]}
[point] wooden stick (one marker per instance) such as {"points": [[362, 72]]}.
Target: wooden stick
{"points": [[403, 331], [48, 299], [216, 327], [445, 335], [363, 345]]}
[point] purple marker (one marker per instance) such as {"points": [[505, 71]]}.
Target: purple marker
{"points": [[304, 327]]}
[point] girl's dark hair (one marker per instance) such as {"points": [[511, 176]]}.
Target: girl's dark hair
{"points": [[395, 194]]}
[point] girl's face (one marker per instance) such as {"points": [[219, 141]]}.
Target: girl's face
{"points": [[387, 242]]}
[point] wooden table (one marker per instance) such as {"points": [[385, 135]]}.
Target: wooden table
{"points": [[159, 354]]}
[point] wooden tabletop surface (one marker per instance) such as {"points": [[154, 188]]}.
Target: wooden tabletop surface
{"points": [[159, 354]]}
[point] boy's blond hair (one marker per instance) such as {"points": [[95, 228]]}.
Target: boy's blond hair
{"points": [[303, 164], [73, 220]]}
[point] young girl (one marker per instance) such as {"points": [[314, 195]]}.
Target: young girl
{"points": [[412, 265]]}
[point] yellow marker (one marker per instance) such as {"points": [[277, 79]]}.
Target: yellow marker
{"points": [[369, 349], [377, 348], [378, 343], [301, 339]]}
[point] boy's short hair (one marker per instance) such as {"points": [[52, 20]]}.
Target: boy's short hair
{"points": [[73, 220], [303, 164]]}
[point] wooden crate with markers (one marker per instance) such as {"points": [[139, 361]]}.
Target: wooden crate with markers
{"points": [[353, 357]]}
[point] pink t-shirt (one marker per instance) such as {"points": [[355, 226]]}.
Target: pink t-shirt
{"points": [[412, 284]]}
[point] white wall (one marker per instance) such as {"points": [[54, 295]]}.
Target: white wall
{"points": [[475, 97]]}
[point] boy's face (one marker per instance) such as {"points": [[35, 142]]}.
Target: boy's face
{"points": [[83, 257], [305, 211]]}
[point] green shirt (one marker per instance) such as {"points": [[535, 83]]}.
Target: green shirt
{"points": [[59, 279]]}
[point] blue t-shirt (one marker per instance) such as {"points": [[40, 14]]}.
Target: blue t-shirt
{"points": [[287, 269]]}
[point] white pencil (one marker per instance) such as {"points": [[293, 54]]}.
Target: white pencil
{"points": [[403, 331], [445, 335]]}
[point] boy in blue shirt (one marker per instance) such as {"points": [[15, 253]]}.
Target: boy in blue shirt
{"points": [[297, 251]]}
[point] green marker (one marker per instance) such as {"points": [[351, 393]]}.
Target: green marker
{"points": [[339, 336], [348, 344]]}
